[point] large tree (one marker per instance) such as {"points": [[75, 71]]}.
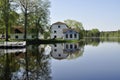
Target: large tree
{"points": [[4, 10], [37, 12], [75, 25], [40, 17], [8, 16]]}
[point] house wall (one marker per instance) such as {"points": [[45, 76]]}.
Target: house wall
{"points": [[71, 46], [57, 51], [57, 30], [71, 35], [21, 36]]}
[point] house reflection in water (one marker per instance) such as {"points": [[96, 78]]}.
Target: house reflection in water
{"points": [[57, 51], [66, 51]]}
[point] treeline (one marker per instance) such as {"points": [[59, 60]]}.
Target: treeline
{"points": [[97, 33], [90, 33]]}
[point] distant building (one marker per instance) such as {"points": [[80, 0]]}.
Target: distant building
{"points": [[66, 51], [70, 34], [60, 30], [57, 30], [57, 52], [18, 33]]}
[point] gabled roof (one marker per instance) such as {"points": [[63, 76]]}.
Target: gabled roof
{"points": [[17, 29], [58, 23]]}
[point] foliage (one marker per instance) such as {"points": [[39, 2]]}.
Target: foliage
{"points": [[92, 33], [8, 16], [33, 15], [46, 35], [75, 25], [110, 33], [36, 14]]}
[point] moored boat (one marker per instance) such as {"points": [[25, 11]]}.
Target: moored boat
{"points": [[11, 45]]}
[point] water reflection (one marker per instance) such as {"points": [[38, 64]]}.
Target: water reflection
{"points": [[34, 61], [66, 51], [29, 65]]}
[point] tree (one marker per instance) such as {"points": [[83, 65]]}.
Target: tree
{"points": [[75, 25], [8, 16], [4, 10], [40, 17], [25, 6], [35, 9], [95, 33]]}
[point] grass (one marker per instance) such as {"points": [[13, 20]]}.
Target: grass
{"points": [[45, 41], [50, 41]]}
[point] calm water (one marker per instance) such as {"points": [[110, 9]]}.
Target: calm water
{"points": [[90, 60]]}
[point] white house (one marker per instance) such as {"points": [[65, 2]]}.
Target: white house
{"points": [[18, 33], [70, 34], [57, 51], [60, 30], [74, 50], [57, 30], [66, 51]]}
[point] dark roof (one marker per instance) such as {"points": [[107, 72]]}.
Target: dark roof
{"points": [[65, 30], [17, 29]]}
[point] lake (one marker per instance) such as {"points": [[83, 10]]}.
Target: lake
{"points": [[89, 60]]}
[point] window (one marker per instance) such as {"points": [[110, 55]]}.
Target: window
{"points": [[66, 35], [55, 31], [66, 46], [55, 50], [71, 46], [59, 26], [55, 36], [75, 35], [55, 45], [59, 55], [70, 35], [16, 37], [75, 46]]}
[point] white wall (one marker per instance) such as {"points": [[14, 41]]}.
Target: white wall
{"points": [[59, 31], [73, 38], [21, 36], [57, 51]]}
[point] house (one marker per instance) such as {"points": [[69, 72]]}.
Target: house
{"points": [[18, 33], [57, 30], [60, 30], [74, 50], [66, 51], [71, 48], [70, 34], [57, 52]]}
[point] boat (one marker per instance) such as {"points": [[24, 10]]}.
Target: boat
{"points": [[4, 51], [12, 45]]}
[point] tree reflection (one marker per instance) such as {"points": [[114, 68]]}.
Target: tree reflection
{"points": [[92, 41], [31, 65]]}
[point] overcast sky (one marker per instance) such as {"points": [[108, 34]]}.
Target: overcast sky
{"points": [[101, 14]]}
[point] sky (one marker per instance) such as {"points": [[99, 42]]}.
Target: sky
{"points": [[101, 14]]}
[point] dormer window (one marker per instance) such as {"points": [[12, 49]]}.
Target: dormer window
{"points": [[59, 26]]}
